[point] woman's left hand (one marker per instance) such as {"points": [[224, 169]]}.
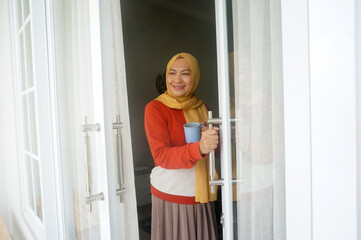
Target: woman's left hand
{"points": [[209, 140], [205, 126]]}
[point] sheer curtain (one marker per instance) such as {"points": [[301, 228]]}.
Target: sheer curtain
{"points": [[127, 211], [258, 102]]}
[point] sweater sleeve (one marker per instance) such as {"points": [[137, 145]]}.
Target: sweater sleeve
{"points": [[164, 153]]}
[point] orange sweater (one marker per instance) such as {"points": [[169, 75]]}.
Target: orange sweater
{"points": [[173, 177]]}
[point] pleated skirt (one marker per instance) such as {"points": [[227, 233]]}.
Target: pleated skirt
{"points": [[173, 221]]}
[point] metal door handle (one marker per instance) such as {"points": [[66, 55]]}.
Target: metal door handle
{"points": [[212, 164], [88, 169], [118, 126]]}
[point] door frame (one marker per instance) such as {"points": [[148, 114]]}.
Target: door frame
{"points": [[297, 117], [98, 14], [224, 113]]}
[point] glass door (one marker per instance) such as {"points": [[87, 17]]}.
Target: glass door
{"points": [[250, 82], [85, 125], [93, 121], [126, 201]]}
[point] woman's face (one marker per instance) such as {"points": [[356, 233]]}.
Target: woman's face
{"points": [[179, 78]]}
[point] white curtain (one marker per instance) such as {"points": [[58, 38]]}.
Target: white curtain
{"points": [[258, 102], [75, 100], [127, 211]]}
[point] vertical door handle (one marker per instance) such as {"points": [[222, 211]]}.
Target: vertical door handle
{"points": [[120, 168], [212, 164], [88, 168]]}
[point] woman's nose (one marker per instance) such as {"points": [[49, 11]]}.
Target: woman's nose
{"points": [[179, 78]]}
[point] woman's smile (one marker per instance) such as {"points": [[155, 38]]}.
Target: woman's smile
{"points": [[178, 87]]}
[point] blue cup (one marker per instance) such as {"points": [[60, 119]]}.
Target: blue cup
{"points": [[192, 132]]}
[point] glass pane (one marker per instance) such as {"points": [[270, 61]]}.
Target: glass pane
{"points": [[38, 198], [75, 98], [33, 125], [22, 60], [19, 13], [26, 9], [29, 182], [29, 55], [256, 106], [26, 123]]}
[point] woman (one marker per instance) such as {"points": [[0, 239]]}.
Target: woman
{"points": [[182, 207]]}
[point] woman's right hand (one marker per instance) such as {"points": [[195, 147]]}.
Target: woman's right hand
{"points": [[209, 140]]}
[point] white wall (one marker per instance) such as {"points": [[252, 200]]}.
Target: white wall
{"points": [[322, 71], [10, 197], [333, 118]]}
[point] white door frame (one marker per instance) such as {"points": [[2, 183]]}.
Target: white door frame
{"points": [[98, 13], [48, 170], [224, 112], [297, 120]]}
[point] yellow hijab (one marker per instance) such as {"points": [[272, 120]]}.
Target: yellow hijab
{"points": [[194, 111]]}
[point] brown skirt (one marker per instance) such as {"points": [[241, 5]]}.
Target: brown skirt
{"points": [[173, 221]]}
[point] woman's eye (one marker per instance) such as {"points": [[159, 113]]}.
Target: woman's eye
{"points": [[172, 73], [187, 74]]}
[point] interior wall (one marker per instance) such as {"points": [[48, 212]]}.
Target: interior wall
{"points": [[11, 197], [153, 33]]}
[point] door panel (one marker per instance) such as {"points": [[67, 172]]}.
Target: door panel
{"points": [[126, 203], [251, 108], [85, 133], [94, 122], [76, 103]]}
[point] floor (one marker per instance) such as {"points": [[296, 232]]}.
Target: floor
{"points": [[142, 235], [144, 213]]}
